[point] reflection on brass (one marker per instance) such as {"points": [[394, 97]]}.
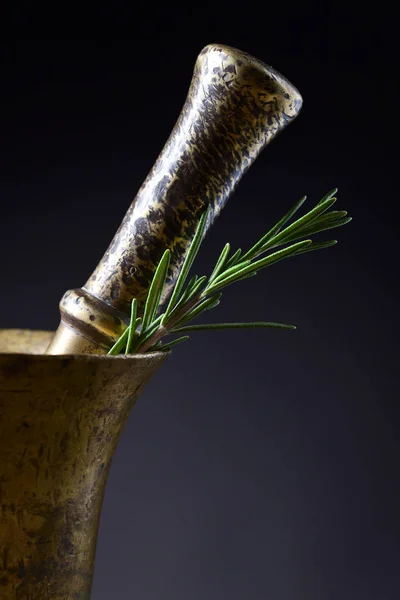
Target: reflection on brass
{"points": [[60, 420], [235, 106]]}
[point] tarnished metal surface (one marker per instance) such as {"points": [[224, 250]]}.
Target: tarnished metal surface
{"points": [[24, 340], [235, 106], [60, 420]]}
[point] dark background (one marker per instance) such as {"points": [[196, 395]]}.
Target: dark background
{"points": [[257, 464]]}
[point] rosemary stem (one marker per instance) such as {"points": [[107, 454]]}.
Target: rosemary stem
{"points": [[181, 313], [157, 335], [169, 324]]}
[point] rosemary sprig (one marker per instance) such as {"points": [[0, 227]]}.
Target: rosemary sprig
{"points": [[186, 303]]}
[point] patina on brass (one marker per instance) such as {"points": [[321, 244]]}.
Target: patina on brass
{"points": [[235, 106], [60, 420]]}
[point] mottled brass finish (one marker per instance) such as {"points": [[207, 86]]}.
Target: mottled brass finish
{"points": [[60, 421], [24, 340], [88, 325], [235, 106]]}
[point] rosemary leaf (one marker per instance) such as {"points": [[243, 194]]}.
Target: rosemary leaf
{"points": [[235, 326], [233, 259], [220, 262], [192, 282], [147, 333], [328, 217], [196, 288], [182, 300], [259, 264], [206, 304], [328, 196], [254, 250], [154, 294], [191, 255], [333, 214], [323, 226], [132, 326], [170, 345], [234, 269], [120, 343], [318, 246], [155, 322], [187, 295], [298, 225]]}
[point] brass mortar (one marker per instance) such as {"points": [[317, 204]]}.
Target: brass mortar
{"points": [[60, 421]]}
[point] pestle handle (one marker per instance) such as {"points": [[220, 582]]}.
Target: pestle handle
{"points": [[235, 106]]}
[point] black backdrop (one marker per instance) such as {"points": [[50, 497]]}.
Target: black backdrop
{"points": [[257, 464]]}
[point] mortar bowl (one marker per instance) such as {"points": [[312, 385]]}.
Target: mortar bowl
{"points": [[61, 417]]}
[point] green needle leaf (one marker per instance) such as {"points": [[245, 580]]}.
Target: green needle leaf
{"points": [[192, 282], [254, 250], [170, 345], [259, 264], [206, 304], [328, 196], [196, 288], [319, 246], [156, 288], [220, 262], [333, 214], [132, 326], [153, 324], [233, 259], [298, 225], [183, 298], [120, 343], [235, 326], [187, 295], [324, 225], [187, 264], [145, 334], [241, 265]]}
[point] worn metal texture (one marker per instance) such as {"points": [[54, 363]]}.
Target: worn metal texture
{"points": [[60, 420], [235, 106]]}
